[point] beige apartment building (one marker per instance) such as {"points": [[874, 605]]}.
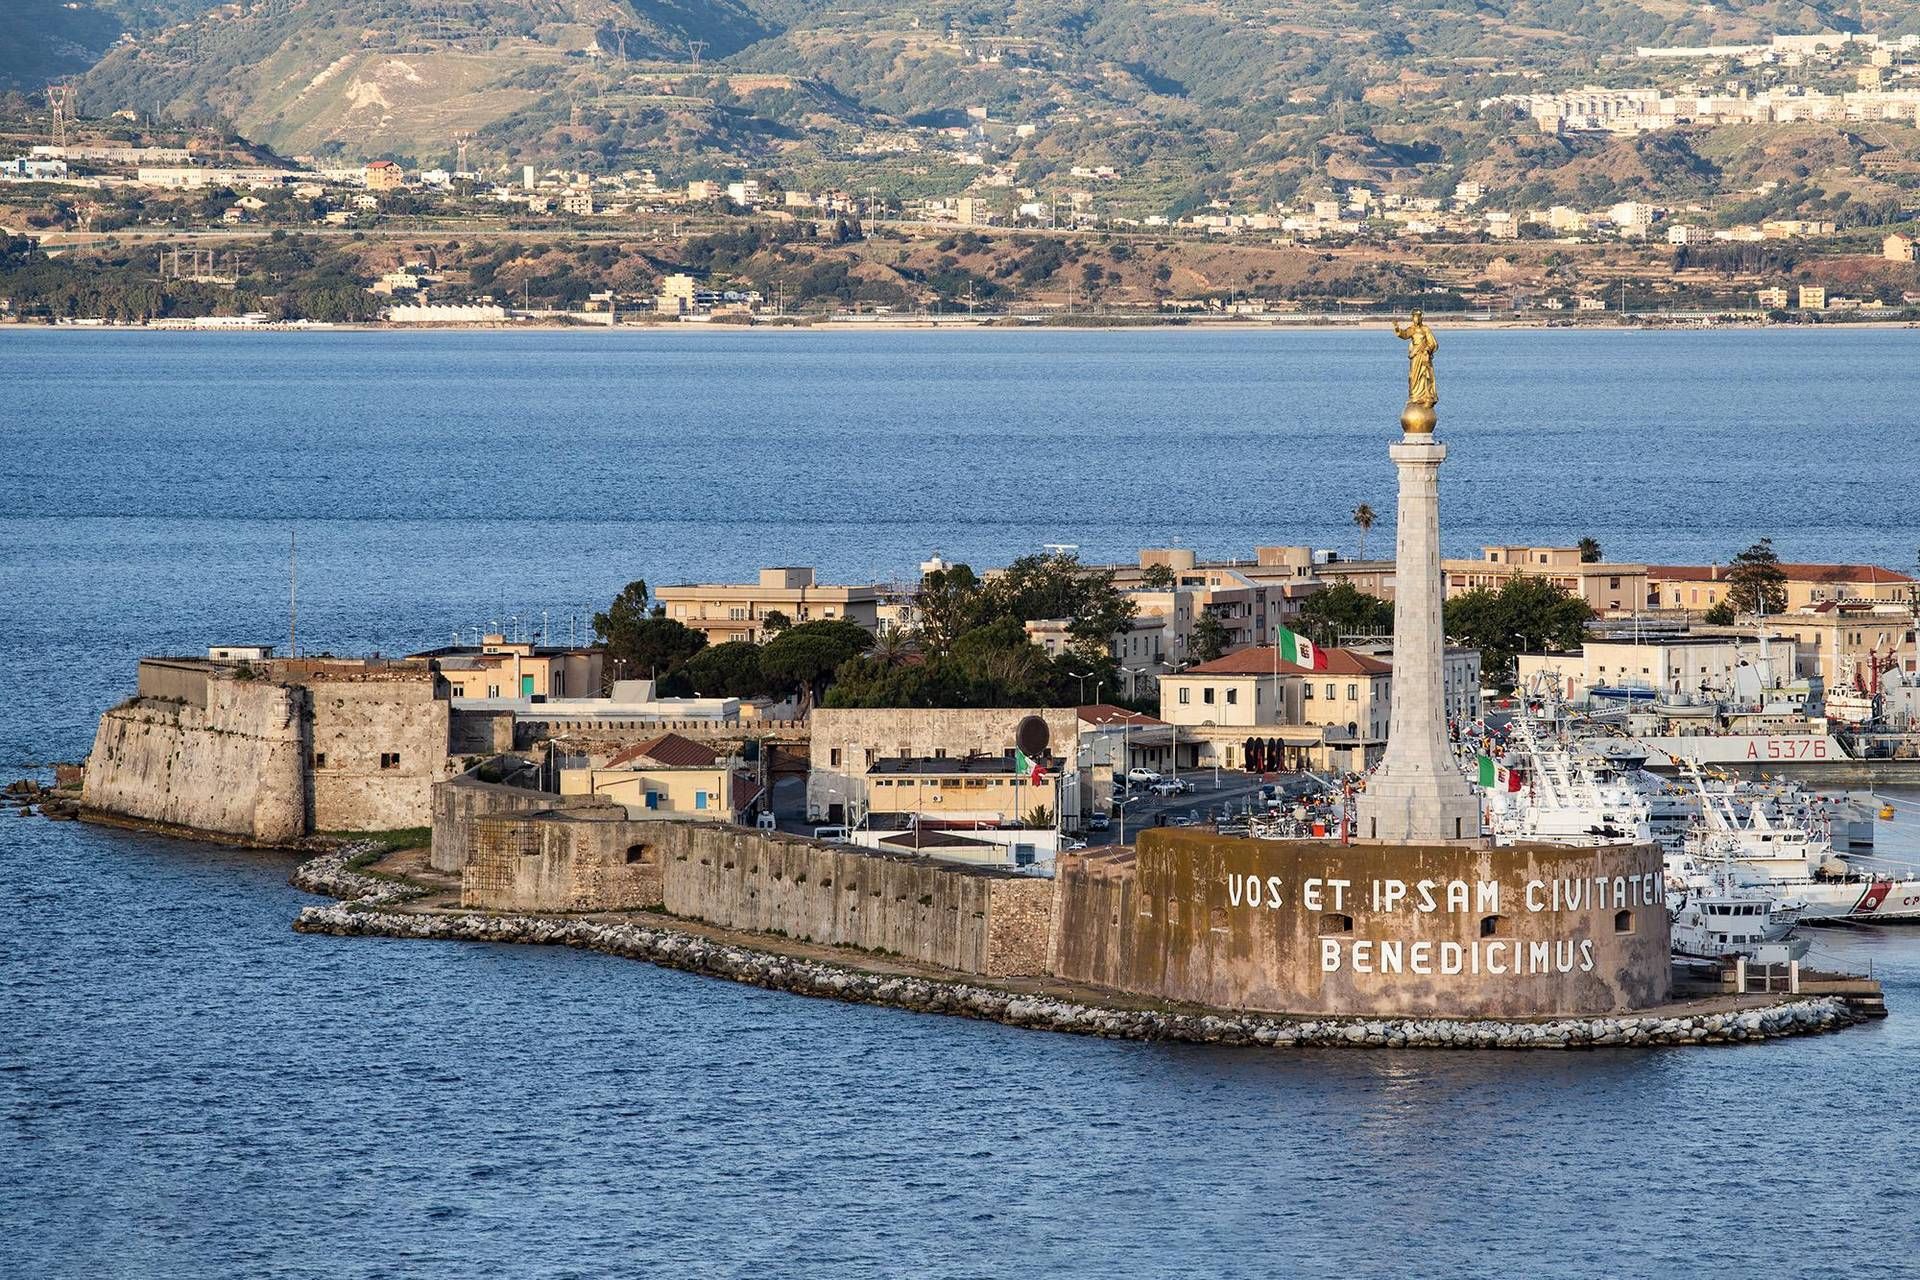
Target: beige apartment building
{"points": [[503, 668], [1607, 588], [1698, 588], [1333, 718], [738, 611]]}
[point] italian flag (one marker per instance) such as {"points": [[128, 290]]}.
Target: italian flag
{"points": [[1035, 771], [1299, 650], [1498, 777]]}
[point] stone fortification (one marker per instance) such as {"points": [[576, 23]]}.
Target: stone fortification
{"points": [[459, 803], [971, 919], [273, 751], [220, 756], [581, 859], [1368, 930], [379, 741]]}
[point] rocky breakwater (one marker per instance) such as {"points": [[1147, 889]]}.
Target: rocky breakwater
{"points": [[62, 804], [365, 916], [334, 874]]}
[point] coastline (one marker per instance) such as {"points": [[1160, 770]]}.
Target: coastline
{"points": [[955, 326]]}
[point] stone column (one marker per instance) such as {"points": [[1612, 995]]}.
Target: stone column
{"points": [[1418, 794]]}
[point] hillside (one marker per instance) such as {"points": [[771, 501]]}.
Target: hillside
{"points": [[1187, 100]]}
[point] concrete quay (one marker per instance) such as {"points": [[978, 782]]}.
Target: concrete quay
{"points": [[389, 902]]}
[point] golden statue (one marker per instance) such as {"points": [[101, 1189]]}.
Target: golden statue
{"points": [[1419, 417]]}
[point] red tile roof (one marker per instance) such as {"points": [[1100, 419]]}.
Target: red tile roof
{"points": [[671, 750], [1259, 661], [1849, 573]]}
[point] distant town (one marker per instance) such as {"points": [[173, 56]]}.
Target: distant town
{"points": [[230, 235]]}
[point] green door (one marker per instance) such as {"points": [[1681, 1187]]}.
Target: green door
{"points": [[526, 686]]}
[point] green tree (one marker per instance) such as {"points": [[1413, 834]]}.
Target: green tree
{"points": [[1344, 609], [730, 670], [1059, 586], [948, 603], [640, 643], [1157, 577], [1755, 581], [1523, 615], [1721, 615], [1590, 551], [1039, 818], [1209, 639], [805, 657], [773, 622], [1364, 517]]}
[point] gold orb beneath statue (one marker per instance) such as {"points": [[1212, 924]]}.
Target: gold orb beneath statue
{"points": [[1418, 419]]}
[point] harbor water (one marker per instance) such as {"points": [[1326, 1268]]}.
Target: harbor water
{"points": [[187, 1088]]}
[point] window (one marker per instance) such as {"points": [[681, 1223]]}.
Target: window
{"points": [[1623, 922], [1184, 691], [1233, 697], [1330, 693], [1336, 922], [639, 854], [319, 759], [653, 799], [1353, 691], [1306, 693], [833, 757], [699, 799], [389, 759], [1206, 695], [737, 613], [493, 691], [1493, 926]]}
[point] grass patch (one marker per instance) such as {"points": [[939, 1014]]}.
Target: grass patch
{"points": [[384, 842]]}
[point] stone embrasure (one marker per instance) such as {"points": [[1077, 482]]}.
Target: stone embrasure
{"points": [[694, 954]]}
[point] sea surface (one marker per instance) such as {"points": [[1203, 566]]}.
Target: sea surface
{"points": [[187, 1088]]}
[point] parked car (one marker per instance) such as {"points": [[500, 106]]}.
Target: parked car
{"points": [[1099, 822], [1140, 773], [1172, 787]]}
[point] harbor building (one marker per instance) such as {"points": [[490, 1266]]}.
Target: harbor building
{"points": [[1667, 668], [1834, 639], [739, 611]]}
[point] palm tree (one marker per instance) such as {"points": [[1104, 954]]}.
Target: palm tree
{"points": [[892, 646], [1364, 517]]}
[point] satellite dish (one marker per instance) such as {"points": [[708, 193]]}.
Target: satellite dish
{"points": [[1031, 736]]}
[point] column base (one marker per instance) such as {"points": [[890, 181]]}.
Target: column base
{"points": [[1443, 809]]}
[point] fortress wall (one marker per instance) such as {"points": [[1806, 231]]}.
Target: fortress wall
{"points": [[970, 919], [232, 767], [1372, 930], [459, 803], [378, 747], [579, 861]]}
